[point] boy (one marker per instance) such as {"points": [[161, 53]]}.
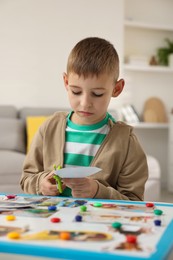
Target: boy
{"points": [[88, 135]]}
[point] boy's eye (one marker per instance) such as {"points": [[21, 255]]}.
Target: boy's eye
{"points": [[80, 92], [97, 95], [76, 92]]}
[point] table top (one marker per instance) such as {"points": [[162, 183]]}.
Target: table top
{"points": [[68, 228]]}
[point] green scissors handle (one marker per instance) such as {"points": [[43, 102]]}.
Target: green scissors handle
{"points": [[58, 179]]}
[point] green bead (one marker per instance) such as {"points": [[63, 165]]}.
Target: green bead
{"points": [[97, 204], [83, 208], [116, 225], [158, 212]]}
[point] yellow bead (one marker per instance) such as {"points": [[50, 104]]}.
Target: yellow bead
{"points": [[10, 217], [13, 235]]}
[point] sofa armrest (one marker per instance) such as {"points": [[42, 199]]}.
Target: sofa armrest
{"points": [[12, 134]]}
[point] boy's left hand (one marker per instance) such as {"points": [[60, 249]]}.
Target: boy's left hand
{"points": [[82, 187]]}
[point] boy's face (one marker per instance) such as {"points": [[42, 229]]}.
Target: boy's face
{"points": [[89, 97]]}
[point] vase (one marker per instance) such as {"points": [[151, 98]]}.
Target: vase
{"points": [[170, 60]]}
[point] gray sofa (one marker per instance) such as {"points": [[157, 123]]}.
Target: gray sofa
{"points": [[13, 143], [13, 150]]}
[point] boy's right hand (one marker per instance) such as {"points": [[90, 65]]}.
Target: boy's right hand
{"points": [[48, 185]]}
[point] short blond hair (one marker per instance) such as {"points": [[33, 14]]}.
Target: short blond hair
{"points": [[93, 56]]}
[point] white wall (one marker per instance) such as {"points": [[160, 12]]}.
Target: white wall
{"points": [[36, 37]]}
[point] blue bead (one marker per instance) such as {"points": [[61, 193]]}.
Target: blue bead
{"points": [[157, 222], [78, 218], [52, 208]]}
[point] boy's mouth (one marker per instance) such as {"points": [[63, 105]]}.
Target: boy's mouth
{"points": [[84, 113]]}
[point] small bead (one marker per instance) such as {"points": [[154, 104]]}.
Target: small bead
{"points": [[97, 204], [55, 220], [158, 212], [78, 218], [10, 217], [10, 196], [83, 208], [157, 222], [116, 225], [65, 236], [150, 205], [13, 235], [53, 208], [131, 239]]}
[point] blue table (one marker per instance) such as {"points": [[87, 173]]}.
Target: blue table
{"points": [[160, 237]]}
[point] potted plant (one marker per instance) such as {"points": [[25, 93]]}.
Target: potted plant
{"points": [[164, 52]]}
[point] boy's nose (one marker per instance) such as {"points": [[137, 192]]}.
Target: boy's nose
{"points": [[86, 101]]}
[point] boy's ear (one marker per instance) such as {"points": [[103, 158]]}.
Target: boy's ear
{"points": [[65, 78], [118, 88]]}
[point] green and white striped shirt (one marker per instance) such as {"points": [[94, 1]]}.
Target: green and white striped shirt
{"points": [[83, 141]]}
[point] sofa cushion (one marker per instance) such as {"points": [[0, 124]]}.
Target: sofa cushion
{"points": [[7, 111], [12, 134], [32, 125]]}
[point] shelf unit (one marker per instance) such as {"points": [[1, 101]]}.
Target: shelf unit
{"points": [[170, 161], [143, 125], [148, 68], [146, 26], [144, 33]]}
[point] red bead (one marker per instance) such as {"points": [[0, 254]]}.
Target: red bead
{"points": [[150, 205], [55, 220], [11, 196], [131, 239]]}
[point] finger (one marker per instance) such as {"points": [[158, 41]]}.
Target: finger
{"points": [[79, 194], [50, 191], [74, 179], [50, 175], [74, 182]]}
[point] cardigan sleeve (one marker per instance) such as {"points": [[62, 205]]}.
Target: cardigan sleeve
{"points": [[33, 171], [124, 168]]}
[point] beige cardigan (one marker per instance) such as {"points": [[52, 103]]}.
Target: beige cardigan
{"points": [[121, 158]]}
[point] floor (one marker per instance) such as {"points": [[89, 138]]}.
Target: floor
{"points": [[166, 196]]}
